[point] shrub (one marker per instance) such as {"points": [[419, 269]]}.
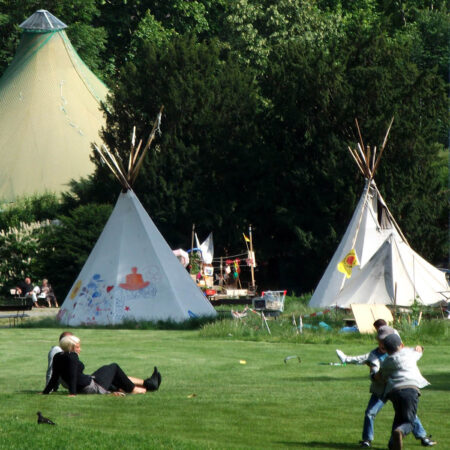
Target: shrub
{"points": [[35, 208], [20, 250], [67, 245]]}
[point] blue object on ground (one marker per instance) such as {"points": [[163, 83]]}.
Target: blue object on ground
{"points": [[324, 325], [353, 329]]}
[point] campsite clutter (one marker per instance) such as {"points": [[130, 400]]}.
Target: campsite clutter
{"points": [[131, 273], [47, 75], [220, 277]]}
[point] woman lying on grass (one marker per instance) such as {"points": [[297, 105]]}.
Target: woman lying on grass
{"points": [[106, 380]]}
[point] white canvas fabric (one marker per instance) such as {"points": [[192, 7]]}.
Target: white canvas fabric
{"points": [[388, 268], [132, 274], [207, 248]]}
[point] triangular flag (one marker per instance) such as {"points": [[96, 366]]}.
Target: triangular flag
{"points": [[246, 238], [347, 264]]}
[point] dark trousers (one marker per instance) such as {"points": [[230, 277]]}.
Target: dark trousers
{"points": [[113, 378], [405, 403]]}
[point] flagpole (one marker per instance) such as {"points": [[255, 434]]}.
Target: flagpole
{"points": [[191, 257], [252, 264]]}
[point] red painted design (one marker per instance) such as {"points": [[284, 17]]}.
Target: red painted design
{"points": [[134, 281]]}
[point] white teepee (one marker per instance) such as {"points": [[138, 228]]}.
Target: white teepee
{"points": [[132, 273], [389, 270], [50, 112], [206, 248]]}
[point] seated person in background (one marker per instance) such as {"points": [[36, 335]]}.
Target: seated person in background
{"points": [[26, 289], [105, 380], [48, 294]]}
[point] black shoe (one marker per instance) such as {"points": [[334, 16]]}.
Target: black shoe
{"points": [[427, 441], [365, 444], [152, 383]]}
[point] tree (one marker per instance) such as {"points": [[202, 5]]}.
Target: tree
{"points": [[88, 40], [65, 246], [316, 91], [199, 171]]}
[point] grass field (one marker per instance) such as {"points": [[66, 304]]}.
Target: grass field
{"points": [[208, 398]]}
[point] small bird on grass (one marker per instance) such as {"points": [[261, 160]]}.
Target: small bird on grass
{"points": [[42, 419]]}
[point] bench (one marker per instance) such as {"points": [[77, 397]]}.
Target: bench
{"points": [[19, 305]]}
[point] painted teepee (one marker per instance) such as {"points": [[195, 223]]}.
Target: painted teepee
{"points": [[132, 274], [49, 112], [374, 263]]}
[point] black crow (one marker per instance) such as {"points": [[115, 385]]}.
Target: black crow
{"points": [[42, 419]]}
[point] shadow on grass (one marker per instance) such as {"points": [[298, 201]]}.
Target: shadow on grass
{"points": [[316, 444], [190, 324], [324, 378], [439, 382]]}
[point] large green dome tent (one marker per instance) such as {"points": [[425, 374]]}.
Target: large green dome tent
{"points": [[49, 112]]}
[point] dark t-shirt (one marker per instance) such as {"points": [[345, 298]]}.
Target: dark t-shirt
{"points": [[67, 366], [25, 288]]}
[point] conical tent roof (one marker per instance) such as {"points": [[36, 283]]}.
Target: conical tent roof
{"points": [[132, 274], [42, 21], [389, 271], [389, 268], [49, 112]]}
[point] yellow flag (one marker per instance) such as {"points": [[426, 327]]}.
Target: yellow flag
{"points": [[347, 264], [246, 238]]}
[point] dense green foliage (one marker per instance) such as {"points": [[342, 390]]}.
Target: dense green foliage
{"points": [[67, 245], [33, 245], [260, 100]]}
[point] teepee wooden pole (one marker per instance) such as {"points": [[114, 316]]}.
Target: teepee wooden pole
{"points": [[132, 149], [147, 145], [113, 167], [359, 133], [125, 183], [358, 227], [383, 146], [358, 161], [361, 152], [136, 154], [392, 218], [108, 164], [373, 157]]}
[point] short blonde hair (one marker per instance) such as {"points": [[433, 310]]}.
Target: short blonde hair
{"points": [[67, 343]]}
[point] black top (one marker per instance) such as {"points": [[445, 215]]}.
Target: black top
{"points": [[24, 287], [67, 366]]}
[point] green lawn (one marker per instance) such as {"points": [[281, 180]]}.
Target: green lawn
{"points": [[208, 399]]}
